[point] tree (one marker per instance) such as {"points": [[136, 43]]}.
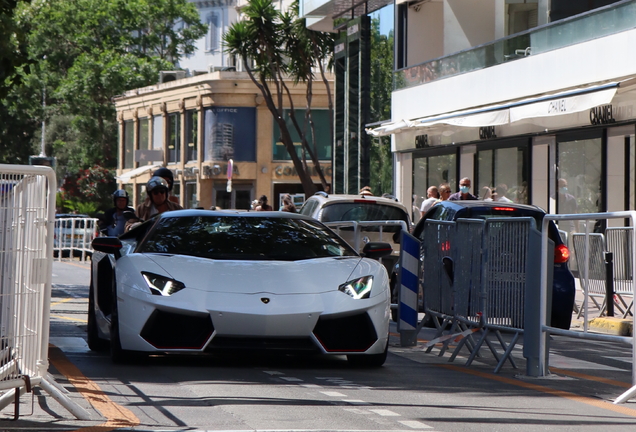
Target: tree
{"points": [[274, 48], [82, 53], [381, 88]]}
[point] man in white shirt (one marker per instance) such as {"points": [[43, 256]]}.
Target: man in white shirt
{"points": [[432, 195]]}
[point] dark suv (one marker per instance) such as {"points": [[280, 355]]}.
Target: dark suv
{"points": [[563, 290]]}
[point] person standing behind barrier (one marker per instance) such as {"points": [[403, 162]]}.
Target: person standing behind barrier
{"points": [[288, 205], [113, 222], [262, 204], [444, 192], [432, 195], [566, 205], [167, 175], [464, 191], [157, 202]]}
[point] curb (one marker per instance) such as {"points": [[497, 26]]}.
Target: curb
{"points": [[612, 325]]}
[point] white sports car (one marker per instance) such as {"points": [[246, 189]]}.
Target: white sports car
{"points": [[193, 281]]}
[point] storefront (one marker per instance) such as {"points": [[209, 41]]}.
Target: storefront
{"points": [[217, 136], [569, 152]]}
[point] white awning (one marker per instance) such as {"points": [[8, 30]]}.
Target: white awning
{"points": [[128, 176], [566, 102]]}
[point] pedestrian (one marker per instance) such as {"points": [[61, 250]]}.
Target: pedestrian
{"points": [[288, 204], [167, 175], [464, 191], [156, 202], [262, 204], [113, 223], [432, 196], [444, 192], [500, 193], [486, 194], [366, 191]]}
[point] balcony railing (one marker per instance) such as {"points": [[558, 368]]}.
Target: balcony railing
{"points": [[612, 19]]}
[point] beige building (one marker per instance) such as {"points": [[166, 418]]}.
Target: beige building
{"points": [[209, 129]]}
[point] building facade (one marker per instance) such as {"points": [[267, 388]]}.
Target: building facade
{"points": [[216, 134], [534, 100]]}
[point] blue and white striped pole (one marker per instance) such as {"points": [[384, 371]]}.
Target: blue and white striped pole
{"points": [[408, 289]]}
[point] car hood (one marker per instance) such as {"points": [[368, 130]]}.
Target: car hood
{"points": [[277, 277]]}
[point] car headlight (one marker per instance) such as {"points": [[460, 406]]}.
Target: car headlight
{"points": [[359, 288], [162, 285]]}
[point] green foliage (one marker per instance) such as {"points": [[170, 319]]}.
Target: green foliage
{"points": [[81, 54], [381, 88], [93, 185], [274, 47]]}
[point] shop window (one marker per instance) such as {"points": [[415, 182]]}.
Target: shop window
{"points": [[502, 174], [323, 146], [230, 133], [432, 171], [143, 133], [129, 144], [174, 137], [192, 136], [579, 180], [191, 199], [157, 134]]}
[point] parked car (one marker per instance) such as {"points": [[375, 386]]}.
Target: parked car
{"points": [[383, 220], [74, 233], [194, 281], [563, 289]]}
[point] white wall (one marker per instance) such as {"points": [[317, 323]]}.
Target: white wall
{"points": [[425, 33], [468, 24], [590, 62]]}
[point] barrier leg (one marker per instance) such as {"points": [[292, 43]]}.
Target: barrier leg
{"points": [[72, 407], [626, 396], [507, 354], [477, 347]]}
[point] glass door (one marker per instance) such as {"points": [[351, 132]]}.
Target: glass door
{"points": [[239, 198]]}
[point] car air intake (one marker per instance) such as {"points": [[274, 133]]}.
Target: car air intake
{"points": [[344, 334], [167, 330]]}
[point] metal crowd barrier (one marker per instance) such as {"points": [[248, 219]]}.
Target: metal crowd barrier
{"points": [[73, 236], [27, 209], [360, 228], [474, 276], [536, 329]]}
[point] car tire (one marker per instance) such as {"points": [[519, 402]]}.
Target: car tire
{"points": [[369, 360], [95, 343], [118, 355]]}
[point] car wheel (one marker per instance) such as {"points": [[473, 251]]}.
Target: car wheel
{"points": [[95, 343], [117, 353], [369, 360]]}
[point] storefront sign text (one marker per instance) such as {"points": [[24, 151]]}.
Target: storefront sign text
{"points": [[421, 141], [602, 115], [288, 170], [487, 132]]}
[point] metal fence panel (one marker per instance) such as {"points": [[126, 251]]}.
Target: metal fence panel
{"points": [[74, 236], [27, 210], [506, 265], [468, 268], [619, 242], [439, 236]]}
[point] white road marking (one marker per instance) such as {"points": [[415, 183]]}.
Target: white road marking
{"points": [[563, 362], [291, 379], [384, 412], [274, 373], [356, 411], [415, 424], [315, 386], [334, 394], [355, 402]]}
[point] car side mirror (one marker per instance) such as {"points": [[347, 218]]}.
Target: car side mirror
{"points": [[376, 250], [108, 245]]}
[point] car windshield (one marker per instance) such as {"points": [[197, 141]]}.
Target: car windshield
{"points": [[362, 211], [244, 238]]}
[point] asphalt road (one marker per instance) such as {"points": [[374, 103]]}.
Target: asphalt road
{"points": [[414, 391]]}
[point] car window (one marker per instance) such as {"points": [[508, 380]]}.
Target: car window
{"points": [[244, 238], [353, 211], [308, 208]]}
